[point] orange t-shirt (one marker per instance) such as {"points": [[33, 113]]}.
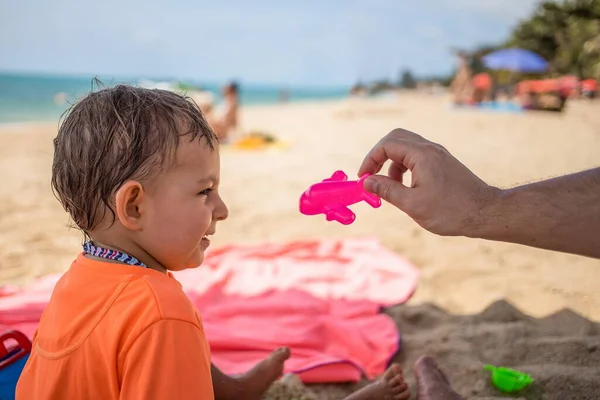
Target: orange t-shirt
{"points": [[113, 331]]}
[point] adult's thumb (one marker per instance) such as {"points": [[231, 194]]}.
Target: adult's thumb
{"points": [[388, 189]]}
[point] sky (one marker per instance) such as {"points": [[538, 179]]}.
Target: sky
{"points": [[308, 42]]}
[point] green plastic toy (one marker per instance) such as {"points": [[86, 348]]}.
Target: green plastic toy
{"points": [[509, 380]]}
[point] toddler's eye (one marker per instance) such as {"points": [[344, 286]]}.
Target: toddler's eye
{"points": [[205, 192]]}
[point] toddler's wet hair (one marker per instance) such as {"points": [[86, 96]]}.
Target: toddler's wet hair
{"points": [[114, 135]]}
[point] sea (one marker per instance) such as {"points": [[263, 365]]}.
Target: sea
{"points": [[29, 97]]}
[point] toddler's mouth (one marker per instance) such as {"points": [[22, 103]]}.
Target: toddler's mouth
{"points": [[205, 242]]}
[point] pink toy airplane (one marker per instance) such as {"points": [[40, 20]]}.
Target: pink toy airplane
{"points": [[333, 195]]}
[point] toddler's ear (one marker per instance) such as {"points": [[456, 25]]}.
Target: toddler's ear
{"points": [[128, 201]]}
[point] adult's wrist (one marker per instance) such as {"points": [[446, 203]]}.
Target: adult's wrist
{"points": [[489, 217]]}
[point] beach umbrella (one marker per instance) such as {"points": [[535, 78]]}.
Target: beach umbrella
{"points": [[515, 60]]}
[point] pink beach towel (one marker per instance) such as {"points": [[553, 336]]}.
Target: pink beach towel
{"points": [[321, 298]]}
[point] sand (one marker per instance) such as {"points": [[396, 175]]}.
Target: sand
{"points": [[460, 275], [561, 352]]}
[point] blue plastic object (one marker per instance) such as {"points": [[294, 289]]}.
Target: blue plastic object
{"points": [[12, 361], [508, 107], [491, 106]]}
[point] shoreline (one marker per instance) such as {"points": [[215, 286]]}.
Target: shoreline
{"points": [[255, 106]]}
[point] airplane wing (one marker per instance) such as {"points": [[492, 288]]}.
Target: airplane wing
{"points": [[339, 213], [337, 176]]}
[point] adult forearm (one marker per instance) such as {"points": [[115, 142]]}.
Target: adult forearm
{"points": [[561, 214]]}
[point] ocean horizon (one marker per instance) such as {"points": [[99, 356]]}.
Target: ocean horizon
{"points": [[28, 97]]}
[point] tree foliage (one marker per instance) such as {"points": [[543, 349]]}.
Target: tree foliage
{"points": [[566, 33]]}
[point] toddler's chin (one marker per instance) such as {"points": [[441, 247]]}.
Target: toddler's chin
{"points": [[193, 262], [196, 260]]}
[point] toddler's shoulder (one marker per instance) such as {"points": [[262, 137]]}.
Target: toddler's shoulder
{"points": [[164, 296]]}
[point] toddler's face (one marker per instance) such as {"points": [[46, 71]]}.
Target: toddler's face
{"points": [[184, 207]]}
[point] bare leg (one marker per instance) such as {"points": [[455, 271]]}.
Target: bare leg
{"points": [[254, 383], [391, 386], [433, 384]]}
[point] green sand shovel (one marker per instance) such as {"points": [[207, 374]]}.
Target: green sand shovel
{"points": [[509, 380]]}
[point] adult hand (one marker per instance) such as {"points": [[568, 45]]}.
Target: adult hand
{"points": [[445, 197]]}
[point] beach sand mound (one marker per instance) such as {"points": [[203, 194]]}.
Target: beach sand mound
{"points": [[561, 352]]}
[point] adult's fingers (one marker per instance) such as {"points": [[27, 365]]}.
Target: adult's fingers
{"points": [[396, 171], [388, 189], [395, 146], [387, 149]]}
